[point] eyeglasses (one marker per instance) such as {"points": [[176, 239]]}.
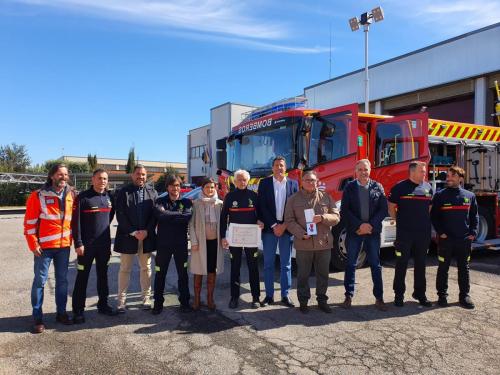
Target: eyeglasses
{"points": [[310, 180]]}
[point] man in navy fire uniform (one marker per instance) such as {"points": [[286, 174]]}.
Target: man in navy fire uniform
{"points": [[409, 204], [455, 218]]}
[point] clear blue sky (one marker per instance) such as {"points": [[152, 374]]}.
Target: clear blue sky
{"points": [[100, 76]]}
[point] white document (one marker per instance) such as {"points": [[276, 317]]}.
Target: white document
{"points": [[243, 235], [309, 214]]}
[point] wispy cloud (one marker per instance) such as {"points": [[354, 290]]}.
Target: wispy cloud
{"points": [[453, 17], [232, 22]]}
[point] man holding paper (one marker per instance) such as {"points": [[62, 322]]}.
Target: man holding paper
{"points": [[309, 216], [240, 208]]}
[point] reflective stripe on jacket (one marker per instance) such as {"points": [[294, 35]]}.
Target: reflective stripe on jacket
{"points": [[46, 223]]}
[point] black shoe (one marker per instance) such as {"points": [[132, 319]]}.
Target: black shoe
{"points": [[255, 303], [156, 310], [185, 308], [423, 301], [78, 318], [107, 310], [399, 301], [323, 306], [442, 301], [267, 301], [287, 302], [64, 319], [467, 303], [233, 303], [303, 308]]}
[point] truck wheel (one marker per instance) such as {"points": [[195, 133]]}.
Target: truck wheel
{"points": [[485, 224], [339, 251]]}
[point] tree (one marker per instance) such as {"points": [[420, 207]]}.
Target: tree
{"points": [[14, 158], [131, 160], [73, 167], [171, 171], [92, 160], [160, 183]]}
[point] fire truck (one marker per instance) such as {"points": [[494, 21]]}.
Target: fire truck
{"points": [[330, 141]]}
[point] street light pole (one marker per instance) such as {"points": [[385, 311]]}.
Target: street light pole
{"points": [[366, 19], [367, 79]]}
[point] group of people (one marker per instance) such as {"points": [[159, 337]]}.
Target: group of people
{"points": [[452, 211], [56, 216]]}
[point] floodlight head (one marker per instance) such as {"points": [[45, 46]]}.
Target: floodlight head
{"points": [[353, 22], [378, 14], [365, 19]]}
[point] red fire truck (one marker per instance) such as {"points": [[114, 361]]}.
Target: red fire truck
{"points": [[330, 141]]}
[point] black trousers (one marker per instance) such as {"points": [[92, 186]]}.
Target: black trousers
{"points": [[211, 256], [252, 255], [162, 260], [409, 245], [84, 265], [447, 249]]}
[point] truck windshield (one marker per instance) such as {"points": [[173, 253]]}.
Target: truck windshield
{"points": [[255, 152]]}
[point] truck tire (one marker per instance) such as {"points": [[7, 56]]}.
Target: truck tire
{"points": [[339, 251], [485, 224]]}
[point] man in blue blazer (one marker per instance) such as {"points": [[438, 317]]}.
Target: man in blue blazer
{"points": [[363, 208], [273, 193]]}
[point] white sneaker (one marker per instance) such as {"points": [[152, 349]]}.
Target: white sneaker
{"points": [[146, 304]]}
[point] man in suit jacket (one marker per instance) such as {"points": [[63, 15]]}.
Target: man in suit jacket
{"points": [[135, 234], [273, 193], [363, 208]]}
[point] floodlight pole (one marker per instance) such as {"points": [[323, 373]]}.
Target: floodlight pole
{"points": [[367, 83]]}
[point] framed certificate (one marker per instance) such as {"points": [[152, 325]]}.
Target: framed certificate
{"points": [[243, 235]]}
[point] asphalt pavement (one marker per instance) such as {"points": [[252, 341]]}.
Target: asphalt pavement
{"points": [[268, 340]]}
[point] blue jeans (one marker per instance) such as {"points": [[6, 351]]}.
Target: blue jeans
{"points": [[269, 242], [41, 268], [372, 249]]}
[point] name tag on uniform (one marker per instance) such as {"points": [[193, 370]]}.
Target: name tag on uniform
{"points": [[50, 201]]}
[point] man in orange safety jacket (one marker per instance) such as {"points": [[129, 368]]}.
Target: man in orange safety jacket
{"points": [[47, 227]]}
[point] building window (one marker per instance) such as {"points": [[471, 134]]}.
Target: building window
{"points": [[197, 152]]}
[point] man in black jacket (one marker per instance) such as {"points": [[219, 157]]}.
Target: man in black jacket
{"points": [[135, 234], [363, 208], [173, 214], [92, 215]]}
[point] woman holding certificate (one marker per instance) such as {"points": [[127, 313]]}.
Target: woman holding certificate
{"points": [[239, 218], [207, 255]]}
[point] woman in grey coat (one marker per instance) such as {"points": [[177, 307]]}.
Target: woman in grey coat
{"points": [[207, 254]]}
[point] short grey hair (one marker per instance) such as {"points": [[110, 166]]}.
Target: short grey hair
{"points": [[415, 164], [242, 172], [309, 173], [363, 161]]}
